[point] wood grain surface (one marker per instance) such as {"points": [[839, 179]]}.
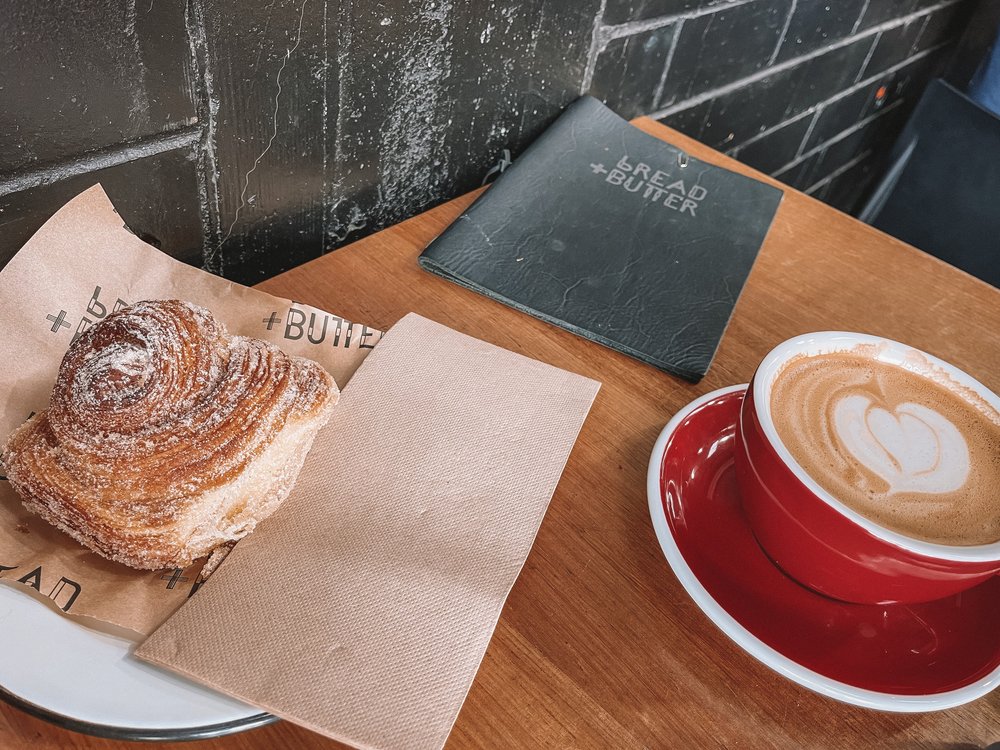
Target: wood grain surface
{"points": [[598, 645]]}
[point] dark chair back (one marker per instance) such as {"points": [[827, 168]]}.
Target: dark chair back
{"points": [[941, 192]]}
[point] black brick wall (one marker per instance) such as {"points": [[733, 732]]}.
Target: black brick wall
{"points": [[249, 137], [825, 106]]}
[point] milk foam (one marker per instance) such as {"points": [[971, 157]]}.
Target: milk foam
{"points": [[914, 448], [908, 448]]}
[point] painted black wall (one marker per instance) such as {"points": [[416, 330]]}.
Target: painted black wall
{"points": [[249, 137]]}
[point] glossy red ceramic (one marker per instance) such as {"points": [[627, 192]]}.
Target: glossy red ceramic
{"points": [[823, 548], [894, 657]]}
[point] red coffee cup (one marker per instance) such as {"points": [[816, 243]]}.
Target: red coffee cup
{"points": [[814, 537]]}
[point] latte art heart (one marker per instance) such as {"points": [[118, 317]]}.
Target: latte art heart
{"points": [[913, 449]]}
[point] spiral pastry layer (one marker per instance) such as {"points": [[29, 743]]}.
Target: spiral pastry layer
{"points": [[165, 437]]}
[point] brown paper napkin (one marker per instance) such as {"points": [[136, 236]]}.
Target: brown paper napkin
{"points": [[363, 607], [79, 267]]}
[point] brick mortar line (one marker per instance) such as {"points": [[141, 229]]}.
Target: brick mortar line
{"points": [[868, 58], [109, 156], [839, 171], [796, 61], [809, 131], [207, 105], [610, 32], [658, 94], [784, 32], [765, 133], [597, 44], [818, 107], [838, 136], [920, 34], [324, 214], [861, 15]]}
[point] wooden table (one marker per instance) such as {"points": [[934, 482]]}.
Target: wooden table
{"points": [[598, 645]]}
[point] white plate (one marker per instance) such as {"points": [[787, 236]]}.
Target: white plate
{"points": [[55, 668]]}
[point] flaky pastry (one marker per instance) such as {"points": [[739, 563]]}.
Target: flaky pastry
{"points": [[165, 437]]}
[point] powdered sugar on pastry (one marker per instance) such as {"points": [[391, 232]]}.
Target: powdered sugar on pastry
{"points": [[166, 437]]}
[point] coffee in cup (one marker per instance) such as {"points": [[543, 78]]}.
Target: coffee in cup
{"points": [[909, 448], [868, 470]]}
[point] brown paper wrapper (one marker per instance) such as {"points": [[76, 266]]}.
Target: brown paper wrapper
{"points": [[363, 607], [80, 266]]}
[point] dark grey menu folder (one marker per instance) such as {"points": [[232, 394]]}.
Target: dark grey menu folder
{"points": [[614, 235]]}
